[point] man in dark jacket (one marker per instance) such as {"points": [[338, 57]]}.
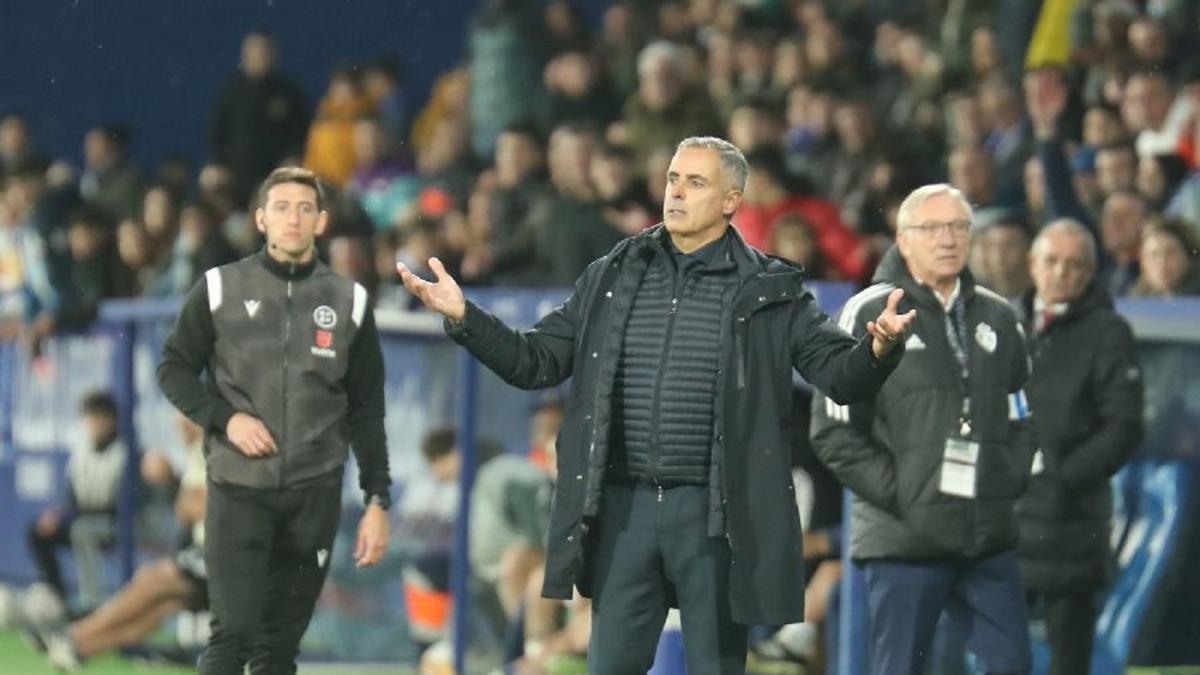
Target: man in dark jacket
{"points": [[1086, 389], [295, 377], [939, 456], [674, 482]]}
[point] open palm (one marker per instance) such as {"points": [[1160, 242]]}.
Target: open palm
{"points": [[442, 296]]}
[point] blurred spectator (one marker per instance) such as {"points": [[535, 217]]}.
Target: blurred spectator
{"points": [[809, 142], [92, 482], [566, 230], [1149, 113], [973, 171], [216, 187], [383, 181], [134, 251], [566, 27], [1008, 140], [109, 179], [520, 180], [627, 207], [793, 239], [96, 269], [444, 163], [448, 101], [382, 84], [160, 219], [577, 91], [16, 142], [158, 589], [848, 171], [29, 294], [1116, 169], [1086, 387], [199, 247], [1160, 179], [260, 119], [1000, 253], [621, 40], [330, 150], [1170, 260], [508, 46], [1035, 191], [772, 193], [666, 107], [1121, 224], [754, 123], [351, 256]]}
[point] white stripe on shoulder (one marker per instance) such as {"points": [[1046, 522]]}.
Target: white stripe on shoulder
{"points": [[855, 304], [360, 304], [213, 278], [989, 293]]}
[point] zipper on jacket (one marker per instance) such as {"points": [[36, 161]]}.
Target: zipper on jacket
{"points": [[656, 403], [287, 341]]}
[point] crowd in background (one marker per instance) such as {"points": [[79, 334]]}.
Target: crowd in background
{"points": [[550, 143]]}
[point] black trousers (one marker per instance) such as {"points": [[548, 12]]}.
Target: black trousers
{"points": [[1070, 628], [44, 549], [267, 553], [647, 552]]}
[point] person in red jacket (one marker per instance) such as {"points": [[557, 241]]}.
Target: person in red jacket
{"points": [[771, 195]]}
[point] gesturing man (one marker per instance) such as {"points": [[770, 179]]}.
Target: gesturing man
{"points": [[674, 484], [295, 377]]}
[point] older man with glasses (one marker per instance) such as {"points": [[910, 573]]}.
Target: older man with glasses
{"points": [[937, 459]]}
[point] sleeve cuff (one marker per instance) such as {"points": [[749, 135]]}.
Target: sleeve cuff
{"points": [[462, 330], [221, 412]]}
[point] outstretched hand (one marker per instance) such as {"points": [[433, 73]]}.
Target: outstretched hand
{"points": [[890, 327], [442, 296]]}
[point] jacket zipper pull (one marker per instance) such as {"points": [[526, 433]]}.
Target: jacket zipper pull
{"points": [[674, 305], [660, 491]]}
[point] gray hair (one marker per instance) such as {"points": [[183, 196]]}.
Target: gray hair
{"points": [[733, 162], [659, 50], [917, 198], [1072, 227]]}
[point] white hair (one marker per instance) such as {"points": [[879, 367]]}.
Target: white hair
{"points": [[917, 198], [659, 50], [1072, 227], [733, 162]]}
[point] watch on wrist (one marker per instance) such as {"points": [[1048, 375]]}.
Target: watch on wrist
{"points": [[383, 501]]}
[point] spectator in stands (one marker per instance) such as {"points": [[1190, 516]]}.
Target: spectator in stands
{"points": [[793, 238], [754, 123], [1160, 179], [627, 207], [1008, 139], [110, 180], [932, 522], [157, 590], [444, 163], [566, 230], [1121, 224], [1146, 109], [850, 165], [1000, 253], [1116, 169], [91, 488], [16, 142], [667, 106], [200, 246], [1035, 191], [1119, 228], [772, 193], [1086, 393], [160, 222], [96, 269], [261, 117], [576, 91], [1170, 260], [621, 40], [508, 47], [382, 83], [30, 288], [973, 171], [330, 149], [645, 490], [383, 181]]}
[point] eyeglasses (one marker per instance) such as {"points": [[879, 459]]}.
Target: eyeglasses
{"points": [[958, 228]]}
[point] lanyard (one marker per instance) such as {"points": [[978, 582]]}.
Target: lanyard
{"points": [[956, 335]]}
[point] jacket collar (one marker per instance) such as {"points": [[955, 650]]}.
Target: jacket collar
{"points": [[893, 270], [286, 271]]}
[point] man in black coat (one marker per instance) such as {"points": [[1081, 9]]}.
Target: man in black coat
{"points": [[674, 484], [1086, 394]]}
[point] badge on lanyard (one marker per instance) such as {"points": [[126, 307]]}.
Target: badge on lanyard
{"points": [[959, 461]]}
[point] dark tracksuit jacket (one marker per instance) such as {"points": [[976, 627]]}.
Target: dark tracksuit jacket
{"points": [[295, 346], [888, 451]]}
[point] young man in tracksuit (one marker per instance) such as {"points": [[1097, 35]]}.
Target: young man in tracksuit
{"points": [[674, 479], [294, 377]]}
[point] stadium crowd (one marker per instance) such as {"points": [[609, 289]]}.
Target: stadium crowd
{"points": [[550, 143]]}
